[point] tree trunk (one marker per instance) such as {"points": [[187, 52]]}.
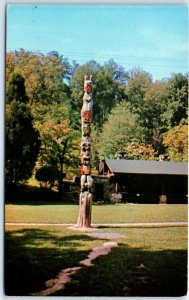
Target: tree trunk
{"points": [[85, 207]]}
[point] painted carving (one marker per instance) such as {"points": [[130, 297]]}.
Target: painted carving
{"points": [[88, 97], [86, 116], [86, 149], [86, 129], [86, 139], [86, 183], [85, 203], [88, 84], [85, 169]]}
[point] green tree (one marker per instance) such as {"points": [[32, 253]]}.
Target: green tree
{"points": [[138, 84], [107, 91], [177, 100], [151, 114], [120, 128], [16, 89], [54, 111], [54, 137], [44, 75], [176, 142], [59, 146], [22, 139], [119, 74], [22, 142], [47, 176]]}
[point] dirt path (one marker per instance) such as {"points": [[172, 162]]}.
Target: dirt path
{"points": [[106, 225], [64, 276]]}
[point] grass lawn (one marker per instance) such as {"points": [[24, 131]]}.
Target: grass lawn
{"points": [[147, 261], [118, 213]]}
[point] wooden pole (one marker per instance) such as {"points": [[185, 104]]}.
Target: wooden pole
{"points": [[85, 199]]}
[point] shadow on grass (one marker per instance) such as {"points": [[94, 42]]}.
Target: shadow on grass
{"points": [[124, 271], [28, 263], [24, 194], [32, 195], [132, 272]]}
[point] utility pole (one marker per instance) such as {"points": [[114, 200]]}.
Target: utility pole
{"points": [[85, 198]]}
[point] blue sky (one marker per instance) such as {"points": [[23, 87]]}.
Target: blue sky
{"points": [[152, 37]]}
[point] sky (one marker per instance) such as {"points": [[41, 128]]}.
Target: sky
{"points": [[151, 37]]}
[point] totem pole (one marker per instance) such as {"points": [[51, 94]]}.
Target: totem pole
{"points": [[85, 200]]}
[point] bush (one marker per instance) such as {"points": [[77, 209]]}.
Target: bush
{"points": [[47, 176]]}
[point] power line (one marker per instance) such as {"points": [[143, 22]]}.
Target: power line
{"points": [[165, 62], [85, 54]]}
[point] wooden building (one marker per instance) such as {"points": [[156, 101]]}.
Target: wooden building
{"points": [[147, 181]]}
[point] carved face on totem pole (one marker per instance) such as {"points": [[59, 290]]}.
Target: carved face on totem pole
{"points": [[86, 130], [86, 116], [87, 97], [86, 139], [86, 160], [86, 149], [88, 84]]}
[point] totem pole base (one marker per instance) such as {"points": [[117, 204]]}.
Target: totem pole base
{"points": [[85, 207]]}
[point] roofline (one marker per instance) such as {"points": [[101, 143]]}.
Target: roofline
{"points": [[108, 165], [154, 161]]}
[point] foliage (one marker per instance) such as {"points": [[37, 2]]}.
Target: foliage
{"points": [[54, 89], [16, 89], [22, 142], [138, 84], [47, 175], [153, 107], [120, 128], [43, 74], [177, 100], [138, 150], [118, 72], [22, 139], [148, 100], [176, 142], [107, 93], [59, 144], [107, 90], [160, 105]]}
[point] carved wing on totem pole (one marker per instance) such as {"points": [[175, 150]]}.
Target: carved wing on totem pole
{"points": [[85, 202]]}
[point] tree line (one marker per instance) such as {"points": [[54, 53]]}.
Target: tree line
{"points": [[132, 114]]}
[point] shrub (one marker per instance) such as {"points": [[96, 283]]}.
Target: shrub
{"points": [[47, 176]]}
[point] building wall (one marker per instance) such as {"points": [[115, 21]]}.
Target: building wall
{"points": [[102, 188], [141, 188]]}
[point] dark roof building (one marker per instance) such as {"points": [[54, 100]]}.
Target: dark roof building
{"points": [[147, 167], [145, 181]]}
